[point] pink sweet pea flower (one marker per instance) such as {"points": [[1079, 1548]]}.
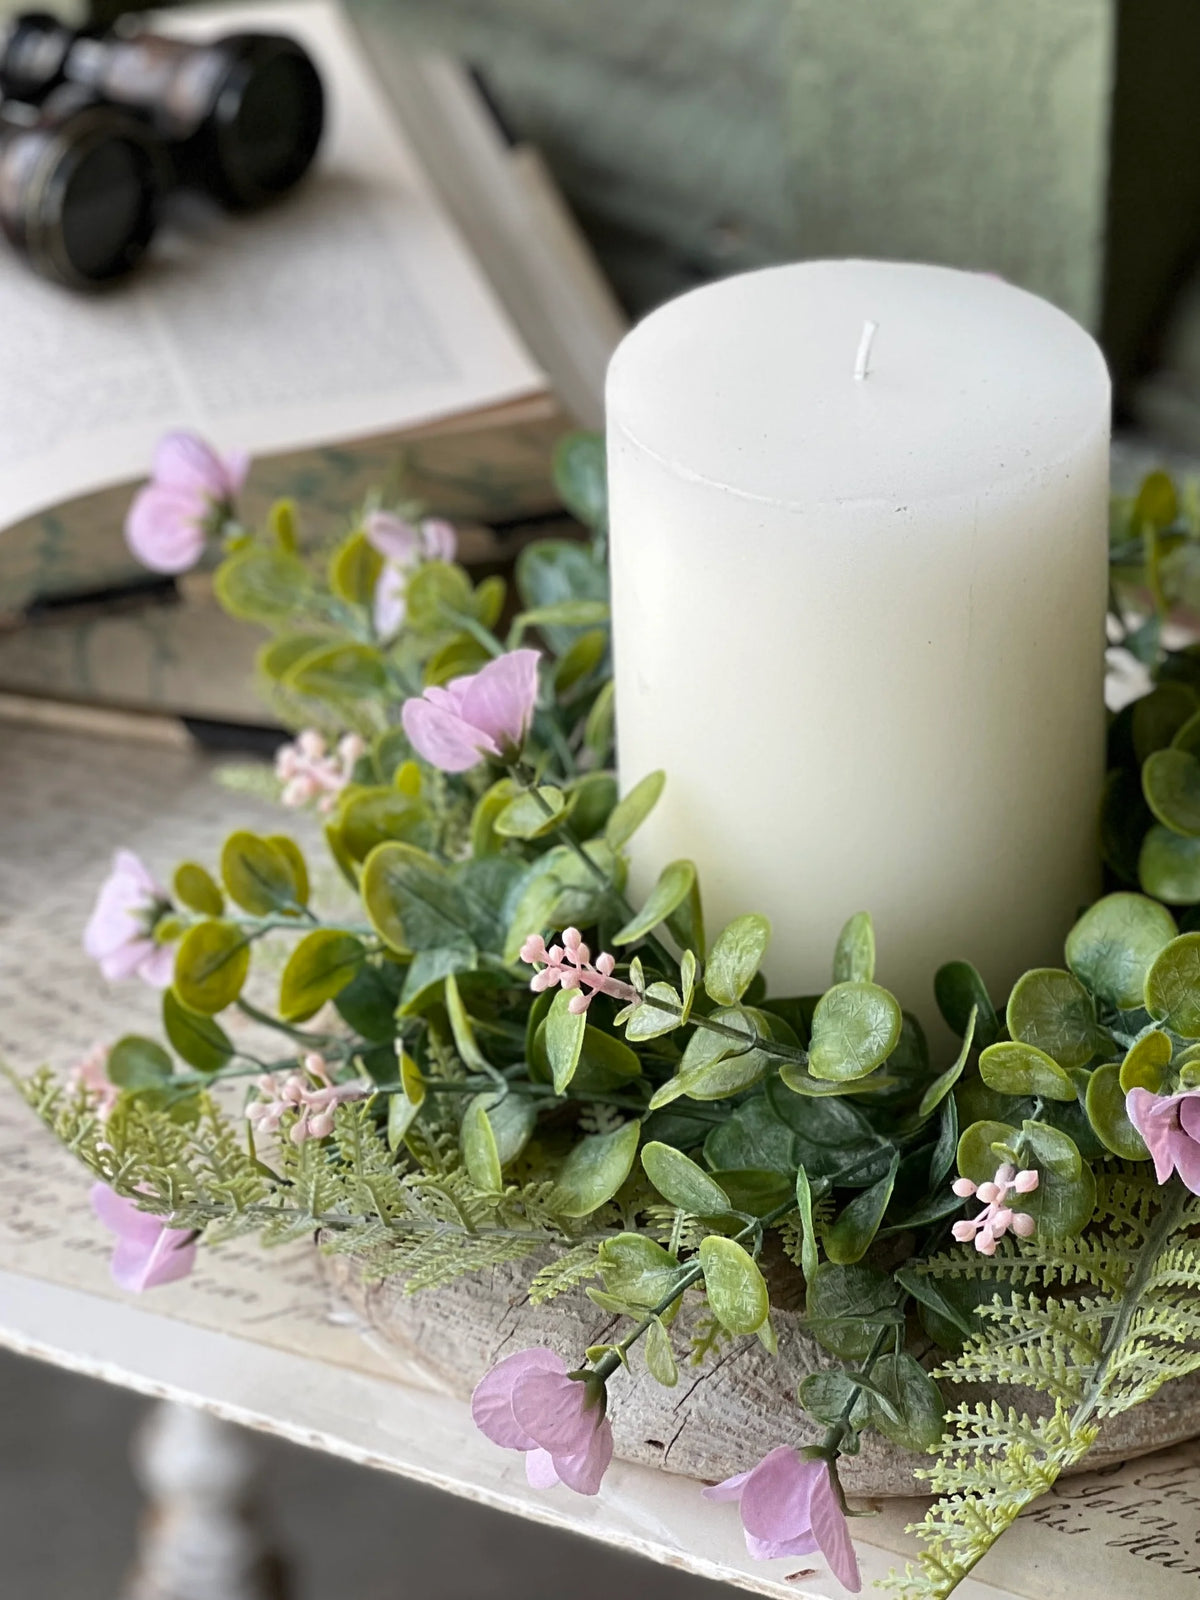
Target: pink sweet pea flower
{"points": [[119, 934], [484, 714], [1170, 1125], [191, 488], [790, 1507], [147, 1251], [528, 1402], [403, 547]]}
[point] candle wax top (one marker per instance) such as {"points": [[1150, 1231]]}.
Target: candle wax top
{"points": [[749, 384]]}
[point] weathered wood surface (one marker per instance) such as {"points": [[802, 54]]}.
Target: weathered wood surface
{"points": [[721, 1417]]}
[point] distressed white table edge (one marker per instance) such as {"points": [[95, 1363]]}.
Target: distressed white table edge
{"points": [[419, 1434]]}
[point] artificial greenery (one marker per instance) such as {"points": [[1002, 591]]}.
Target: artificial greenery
{"points": [[646, 1147]]}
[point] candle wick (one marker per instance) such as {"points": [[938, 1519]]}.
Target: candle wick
{"points": [[862, 361]]}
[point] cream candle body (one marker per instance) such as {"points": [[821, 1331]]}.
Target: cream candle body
{"points": [[859, 579]]}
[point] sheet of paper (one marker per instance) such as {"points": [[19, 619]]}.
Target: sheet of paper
{"points": [[350, 308]]}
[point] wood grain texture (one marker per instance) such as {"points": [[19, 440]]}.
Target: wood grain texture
{"points": [[721, 1417]]}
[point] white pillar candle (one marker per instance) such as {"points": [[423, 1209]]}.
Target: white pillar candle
{"points": [[859, 563]]}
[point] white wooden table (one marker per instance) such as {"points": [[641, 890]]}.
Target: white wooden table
{"points": [[255, 1340]]}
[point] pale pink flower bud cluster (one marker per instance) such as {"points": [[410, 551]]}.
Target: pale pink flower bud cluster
{"points": [[569, 965], [997, 1217], [314, 1105], [90, 1076], [310, 770]]}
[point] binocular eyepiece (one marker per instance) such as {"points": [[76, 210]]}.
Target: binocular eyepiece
{"points": [[95, 132]]}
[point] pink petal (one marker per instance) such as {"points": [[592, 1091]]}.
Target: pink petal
{"points": [[553, 1410], [730, 1489], [185, 461], [165, 528], [439, 539], [396, 540], [1185, 1152], [1154, 1117], [138, 1268], [539, 1469], [123, 1217], [832, 1532], [126, 960], [771, 1549], [491, 1404], [157, 967], [1189, 1114], [584, 1470], [777, 1493], [236, 464], [443, 738], [499, 698], [389, 604]]}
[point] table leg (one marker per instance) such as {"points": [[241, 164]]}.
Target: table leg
{"points": [[201, 1538]]}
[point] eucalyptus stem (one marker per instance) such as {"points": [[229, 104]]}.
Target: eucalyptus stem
{"points": [[248, 1009]]}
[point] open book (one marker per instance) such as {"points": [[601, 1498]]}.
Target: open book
{"points": [[422, 295]]}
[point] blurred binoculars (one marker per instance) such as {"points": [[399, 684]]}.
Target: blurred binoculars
{"points": [[97, 131]]}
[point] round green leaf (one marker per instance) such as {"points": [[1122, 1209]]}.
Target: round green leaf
{"points": [[477, 1142], [1065, 1199], [594, 1170], [581, 478], [580, 661], [906, 1405], [374, 816], [1169, 866], [1171, 784], [674, 886], [848, 1237], [211, 966], [1146, 1062], [977, 1157], [1106, 1112], [959, 991], [320, 966], [855, 1028], [345, 671], [512, 1118], [261, 585], [564, 1039], [1172, 992], [197, 1039], [1158, 717], [637, 1270], [735, 958], [135, 1063], [848, 1305], [354, 570], [1051, 1010], [682, 1183], [195, 888], [1011, 1067], [854, 958], [736, 1291], [660, 1358], [531, 815], [628, 814], [259, 877], [1113, 944], [280, 654]]}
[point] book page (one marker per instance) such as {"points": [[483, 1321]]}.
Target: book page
{"points": [[352, 307]]}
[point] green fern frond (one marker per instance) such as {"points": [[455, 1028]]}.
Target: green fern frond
{"points": [[567, 1271]]}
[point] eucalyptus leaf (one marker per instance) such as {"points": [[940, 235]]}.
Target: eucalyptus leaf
{"points": [[735, 958], [594, 1170], [1168, 866], [1146, 1062], [650, 1021], [854, 958], [404, 1108], [1107, 1115], [319, 968], [809, 1259], [637, 1269], [737, 1294], [944, 1082], [477, 1142], [847, 1306], [673, 888], [1114, 943], [1051, 1010], [959, 991], [1172, 992], [338, 672], [211, 965], [849, 1236], [261, 585], [195, 1038], [1012, 1067], [682, 1183], [629, 813], [533, 814], [564, 1039], [660, 1359], [856, 1026], [135, 1063], [905, 1403], [581, 477], [1171, 784], [196, 888], [258, 876]]}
